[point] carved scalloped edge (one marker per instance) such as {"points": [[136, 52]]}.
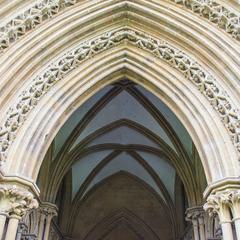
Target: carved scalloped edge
{"points": [[56, 71], [43, 10]]}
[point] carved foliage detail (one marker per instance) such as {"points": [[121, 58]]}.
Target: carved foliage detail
{"points": [[221, 200], [19, 200], [29, 19], [206, 84], [215, 13]]}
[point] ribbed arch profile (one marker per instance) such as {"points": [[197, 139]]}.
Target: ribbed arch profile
{"points": [[43, 97], [122, 62]]}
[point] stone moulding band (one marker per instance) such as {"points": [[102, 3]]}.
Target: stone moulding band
{"points": [[29, 19], [207, 85], [42, 10]]}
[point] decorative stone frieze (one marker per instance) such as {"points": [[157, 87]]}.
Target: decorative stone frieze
{"points": [[42, 10], [29, 19], [216, 13], [15, 200], [63, 65]]}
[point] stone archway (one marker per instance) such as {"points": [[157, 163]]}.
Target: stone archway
{"points": [[59, 73], [178, 67]]}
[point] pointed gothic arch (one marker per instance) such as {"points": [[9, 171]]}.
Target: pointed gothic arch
{"points": [[54, 56], [125, 62]]}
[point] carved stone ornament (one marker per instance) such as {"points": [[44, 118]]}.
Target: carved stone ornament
{"points": [[216, 13], [42, 10], [221, 200], [29, 19], [17, 200], [57, 70], [212, 205], [194, 213], [49, 210]]}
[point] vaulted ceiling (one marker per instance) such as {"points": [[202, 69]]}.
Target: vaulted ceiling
{"points": [[122, 129]]}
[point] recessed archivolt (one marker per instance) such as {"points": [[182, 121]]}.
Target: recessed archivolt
{"points": [[28, 19], [63, 65]]}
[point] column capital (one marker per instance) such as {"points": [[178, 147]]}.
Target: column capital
{"points": [[217, 201], [48, 209], [194, 213], [16, 200]]}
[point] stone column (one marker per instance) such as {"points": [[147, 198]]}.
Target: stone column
{"points": [[3, 218], [196, 216], [47, 212], [201, 224], [235, 205], [41, 225], [12, 227], [15, 201], [219, 203]]}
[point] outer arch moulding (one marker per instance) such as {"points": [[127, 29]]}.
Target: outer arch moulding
{"points": [[56, 71], [27, 20]]}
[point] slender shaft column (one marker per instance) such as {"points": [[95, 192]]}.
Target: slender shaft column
{"points": [[201, 227], [195, 229], [41, 226], [235, 200], [195, 215], [226, 223], [48, 211], [219, 203], [3, 218], [237, 227], [12, 227], [47, 227]]}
